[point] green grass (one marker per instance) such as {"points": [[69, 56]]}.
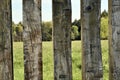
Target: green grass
{"points": [[18, 61], [48, 60]]}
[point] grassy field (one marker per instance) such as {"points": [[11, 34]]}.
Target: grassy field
{"points": [[48, 60]]}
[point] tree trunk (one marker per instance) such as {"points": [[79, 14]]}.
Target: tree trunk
{"points": [[6, 55], [32, 39], [62, 39], [90, 35], [114, 39]]}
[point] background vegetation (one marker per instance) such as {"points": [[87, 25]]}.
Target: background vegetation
{"points": [[48, 60], [48, 53], [75, 30]]}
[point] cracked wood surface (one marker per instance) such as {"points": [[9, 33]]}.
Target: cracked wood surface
{"points": [[62, 39], [90, 35], [6, 59], [114, 39], [32, 39]]}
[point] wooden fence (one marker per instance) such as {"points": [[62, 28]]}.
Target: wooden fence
{"points": [[92, 67]]}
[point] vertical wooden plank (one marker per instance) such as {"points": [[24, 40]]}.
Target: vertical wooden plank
{"points": [[114, 39], [6, 55], [32, 39], [90, 35], [62, 39]]}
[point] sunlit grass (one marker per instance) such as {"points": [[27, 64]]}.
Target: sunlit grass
{"points": [[48, 60]]}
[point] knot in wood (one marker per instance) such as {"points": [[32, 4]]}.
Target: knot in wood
{"points": [[88, 8]]}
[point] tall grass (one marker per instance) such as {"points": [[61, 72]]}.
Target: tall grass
{"points": [[48, 60]]}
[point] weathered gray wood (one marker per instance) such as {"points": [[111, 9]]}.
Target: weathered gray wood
{"points": [[91, 46], [32, 39], [114, 39], [62, 39], [6, 60]]}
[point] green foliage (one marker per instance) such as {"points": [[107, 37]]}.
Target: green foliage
{"points": [[20, 27], [13, 26], [74, 32], [48, 60], [104, 28], [104, 14], [17, 31], [47, 31], [78, 24]]}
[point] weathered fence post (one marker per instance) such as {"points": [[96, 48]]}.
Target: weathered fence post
{"points": [[91, 46], [114, 39], [62, 39], [32, 39], [6, 55]]}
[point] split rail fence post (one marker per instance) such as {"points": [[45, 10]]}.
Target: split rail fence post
{"points": [[62, 39], [90, 35], [114, 39], [6, 51], [32, 39]]}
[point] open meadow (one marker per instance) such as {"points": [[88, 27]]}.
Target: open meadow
{"points": [[48, 60]]}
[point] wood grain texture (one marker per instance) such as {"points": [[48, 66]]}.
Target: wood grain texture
{"points": [[91, 45], [6, 60], [114, 39], [32, 39], [62, 39]]}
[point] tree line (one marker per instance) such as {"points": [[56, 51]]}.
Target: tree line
{"points": [[75, 30]]}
